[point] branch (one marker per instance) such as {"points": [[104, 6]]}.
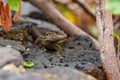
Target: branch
{"points": [[105, 32], [59, 19]]}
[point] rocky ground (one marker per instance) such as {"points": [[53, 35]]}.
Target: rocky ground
{"points": [[78, 59], [78, 53]]}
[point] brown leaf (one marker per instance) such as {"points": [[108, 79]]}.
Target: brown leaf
{"points": [[7, 18], [1, 13]]}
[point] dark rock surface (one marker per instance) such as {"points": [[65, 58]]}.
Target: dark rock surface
{"points": [[80, 43], [12, 44], [77, 53], [81, 60]]}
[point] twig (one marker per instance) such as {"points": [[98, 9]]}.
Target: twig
{"points": [[55, 16], [106, 42], [118, 54], [85, 8], [116, 23], [116, 20]]}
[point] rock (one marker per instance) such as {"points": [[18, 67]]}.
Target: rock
{"points": [[37, 56], [12, 44], [57, 73], [78, 59], [13, 68], [5, 75], [81, 42], [64, 73], [42, 24], [9, 55], [26, 8]]}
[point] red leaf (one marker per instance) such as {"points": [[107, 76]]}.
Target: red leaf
{"points": [[1, 13], [7, 18]]}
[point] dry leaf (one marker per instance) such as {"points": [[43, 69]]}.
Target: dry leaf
{"points": [[7, 18], [1, 13]]}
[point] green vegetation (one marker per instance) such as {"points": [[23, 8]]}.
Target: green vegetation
{"points": [[14, 4], [28, 64], [113, 7]]}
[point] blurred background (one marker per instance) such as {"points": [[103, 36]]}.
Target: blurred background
{"points": [[79, 12]]}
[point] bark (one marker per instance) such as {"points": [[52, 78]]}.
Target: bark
{"points": [[58, 19], [106, 42]]}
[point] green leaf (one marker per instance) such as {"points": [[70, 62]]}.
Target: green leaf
{"points": [[14, 4], [113, 7], [28, 64]]}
